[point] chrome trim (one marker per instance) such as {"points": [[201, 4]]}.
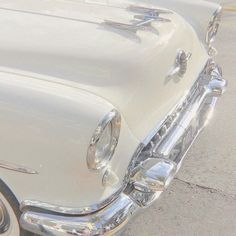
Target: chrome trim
{"points": [[156, 162], [142, 21], [133, 28], [210, 73], [212, 30], [181, 64], [105, 222], [153, 175], [113, 118], [4, 218], [151, 12], [17, 168], [49, 207], [149, 19], [213, 26]]}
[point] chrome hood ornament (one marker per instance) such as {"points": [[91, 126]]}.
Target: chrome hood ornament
{"points": [[151, 12], [142, 21], [181, 64]]}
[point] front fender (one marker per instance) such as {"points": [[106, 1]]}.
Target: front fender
{"points": [[47, 126]]}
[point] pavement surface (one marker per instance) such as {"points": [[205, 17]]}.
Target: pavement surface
{"points": [[202, 199]]}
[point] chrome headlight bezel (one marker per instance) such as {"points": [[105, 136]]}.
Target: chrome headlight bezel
{"points": [[213, 26], [113, 118]]}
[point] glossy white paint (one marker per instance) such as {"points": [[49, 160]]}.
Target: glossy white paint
{"points": [[62, 71], [127, 70], [47, 127]]}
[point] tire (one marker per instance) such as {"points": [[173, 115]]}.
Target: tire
{"points": [[12, 205]]}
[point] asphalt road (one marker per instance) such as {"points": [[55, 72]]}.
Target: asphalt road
{"points": [[202, 199]]}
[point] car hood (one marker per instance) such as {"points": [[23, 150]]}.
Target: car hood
{"points": [[69, 42]]}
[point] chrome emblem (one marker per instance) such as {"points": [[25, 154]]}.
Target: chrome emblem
{"points": [[142, 20], [181, 64]]}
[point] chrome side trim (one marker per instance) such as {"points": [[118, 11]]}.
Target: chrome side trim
{"points": [[35, 204], [17, 168]]}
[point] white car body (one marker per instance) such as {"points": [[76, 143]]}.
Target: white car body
{"points": [[63, 68]]}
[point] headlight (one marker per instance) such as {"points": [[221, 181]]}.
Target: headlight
{"points": [[213, 26], [104, 141]]}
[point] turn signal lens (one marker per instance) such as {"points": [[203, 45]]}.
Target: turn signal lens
{"points": [[104, 141], [103, 145]]}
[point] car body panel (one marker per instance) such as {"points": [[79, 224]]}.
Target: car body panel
{"points": [[62, 70], [124, 68], [41, 128]]}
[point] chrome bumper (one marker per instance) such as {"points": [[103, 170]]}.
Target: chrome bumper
{"points": [[154, 165]]}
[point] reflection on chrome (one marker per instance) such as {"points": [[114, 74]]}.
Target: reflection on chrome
{"points": [[155, 164], [212, 31]]}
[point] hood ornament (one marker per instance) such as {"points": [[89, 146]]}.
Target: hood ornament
{"points": [[142, 21], [151, 12], [181, 64]]}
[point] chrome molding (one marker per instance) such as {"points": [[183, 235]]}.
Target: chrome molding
{"points": [[132, 28], [144, 18], [212, 30], [34, 204], [181, 64], [151, 12], [213, 26], [17, 168]]}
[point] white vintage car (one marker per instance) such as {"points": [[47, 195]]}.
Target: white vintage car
{"points": [[99, 101]]}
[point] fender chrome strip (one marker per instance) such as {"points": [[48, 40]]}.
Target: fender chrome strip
{"points": [[17, 168]]}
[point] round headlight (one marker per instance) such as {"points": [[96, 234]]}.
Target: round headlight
{"points": [[104, 141], [213, 26]]}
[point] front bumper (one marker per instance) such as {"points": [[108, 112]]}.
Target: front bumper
{"points": [[154, 165]]}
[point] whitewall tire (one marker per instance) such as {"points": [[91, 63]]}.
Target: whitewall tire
{"points": [[9, 213], [8, 220]]}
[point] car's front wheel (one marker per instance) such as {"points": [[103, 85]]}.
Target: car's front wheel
{"points": [[9, 213]]}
